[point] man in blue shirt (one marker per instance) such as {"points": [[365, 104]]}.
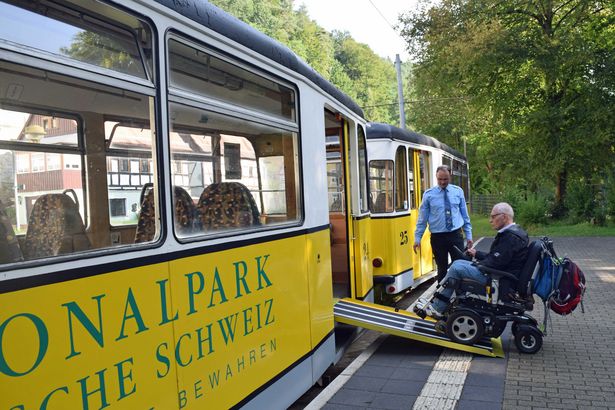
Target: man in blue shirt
{"points": [[444, 209]]}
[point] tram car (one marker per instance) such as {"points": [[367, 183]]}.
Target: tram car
{"points": [[165, 235], [402, 167]]}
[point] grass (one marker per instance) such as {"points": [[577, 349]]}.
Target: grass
{"points": [[481, 227]]}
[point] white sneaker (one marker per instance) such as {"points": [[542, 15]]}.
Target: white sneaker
{"points": [[421, 302], [431, 312]]}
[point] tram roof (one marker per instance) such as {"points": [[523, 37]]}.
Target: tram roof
{"points": [[231, 27], [376, 130]]}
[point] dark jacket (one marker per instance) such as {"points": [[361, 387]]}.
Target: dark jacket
{"points": [[508, 253]]}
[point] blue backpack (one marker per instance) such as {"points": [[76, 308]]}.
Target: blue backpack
{"points": [[548, 277], [559, 282]]}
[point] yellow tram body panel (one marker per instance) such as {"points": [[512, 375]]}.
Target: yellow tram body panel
{"points": [[89, 342], [363, 244], [390, 245], [392, 240], [203, 331]]}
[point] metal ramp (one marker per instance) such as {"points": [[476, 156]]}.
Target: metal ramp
{"points": [[406, 324]]}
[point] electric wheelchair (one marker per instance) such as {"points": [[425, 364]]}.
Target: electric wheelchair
{"points": [[478, 310]]}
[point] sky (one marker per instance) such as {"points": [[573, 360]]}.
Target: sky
{"points": [[367, 21]]}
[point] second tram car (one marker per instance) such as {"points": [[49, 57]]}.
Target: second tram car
{"points": [[401, 167]]}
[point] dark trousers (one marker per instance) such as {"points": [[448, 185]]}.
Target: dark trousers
{"points": [[442, 245]]}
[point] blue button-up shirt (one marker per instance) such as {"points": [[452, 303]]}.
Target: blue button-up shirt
{"points": [[432, 212]]}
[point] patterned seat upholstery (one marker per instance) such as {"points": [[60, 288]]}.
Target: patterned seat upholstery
{"points": [[184, 214], [55, 227], [146, 222], [185, 211], [227, 205], [9, 245]]}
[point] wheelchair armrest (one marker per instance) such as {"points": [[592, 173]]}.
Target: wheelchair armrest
{"points": [[459, 254], [496, 273]]}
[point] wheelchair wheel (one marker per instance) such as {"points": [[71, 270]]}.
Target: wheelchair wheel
{"points": [[528, 339], [465, 327]]}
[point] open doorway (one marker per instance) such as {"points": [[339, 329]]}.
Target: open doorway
{"points": [[338, 206]]}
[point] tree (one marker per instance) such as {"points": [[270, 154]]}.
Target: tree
{"points": [[373, 78], [354, 68], [534, 80]]}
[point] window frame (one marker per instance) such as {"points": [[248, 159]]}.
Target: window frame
{"points": [[180, 96], [401, 180], [392, 187]]}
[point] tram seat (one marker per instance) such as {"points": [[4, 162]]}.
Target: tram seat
{"points": [[185, 212], [146, 221], [227, 205], [55, 227], [9, 245]]}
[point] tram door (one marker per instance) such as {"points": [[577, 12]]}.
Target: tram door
{"points": [[338, 204], [426, 260]]}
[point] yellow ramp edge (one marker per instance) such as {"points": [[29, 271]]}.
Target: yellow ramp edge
{"points": [[406, 324]]}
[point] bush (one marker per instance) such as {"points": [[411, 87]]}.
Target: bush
{"points": [[581, 200], [532, 210], [610, 197]]}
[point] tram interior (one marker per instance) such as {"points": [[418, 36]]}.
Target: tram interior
{"points": [[337, 205], [89, 149]]}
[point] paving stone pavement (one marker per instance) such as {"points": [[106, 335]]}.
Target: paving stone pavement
{"points": [[576, 367], [574, 370]]}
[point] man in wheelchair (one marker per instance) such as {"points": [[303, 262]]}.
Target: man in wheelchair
{"points": [[491, 291]]}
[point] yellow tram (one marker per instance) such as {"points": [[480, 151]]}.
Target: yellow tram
{"points": [[402, 167], [182, 202]]}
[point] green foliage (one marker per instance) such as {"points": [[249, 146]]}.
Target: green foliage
{"points": [[481, 228], [586, 201], [372, 79], [527, 84], [353, 67], [610, 196], [533, 210]]}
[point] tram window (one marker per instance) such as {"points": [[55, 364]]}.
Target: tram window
{"points": [[335, 184], [363, 195], [424, 169], [232, 161], [35, 161], [448, 161], [201, 72], [411, 181], [54, 161], [401, 190], [69, 33], [456, 170], [129, 171], [381, 185], [261, 190]]}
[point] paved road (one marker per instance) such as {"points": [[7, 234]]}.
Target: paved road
{"points": [[576, 367], [574, 370]]}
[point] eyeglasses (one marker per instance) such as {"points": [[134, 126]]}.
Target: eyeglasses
{"points": [[495, 216]]}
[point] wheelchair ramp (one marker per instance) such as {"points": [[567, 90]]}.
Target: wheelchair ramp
{"points": [[406, 324]]}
